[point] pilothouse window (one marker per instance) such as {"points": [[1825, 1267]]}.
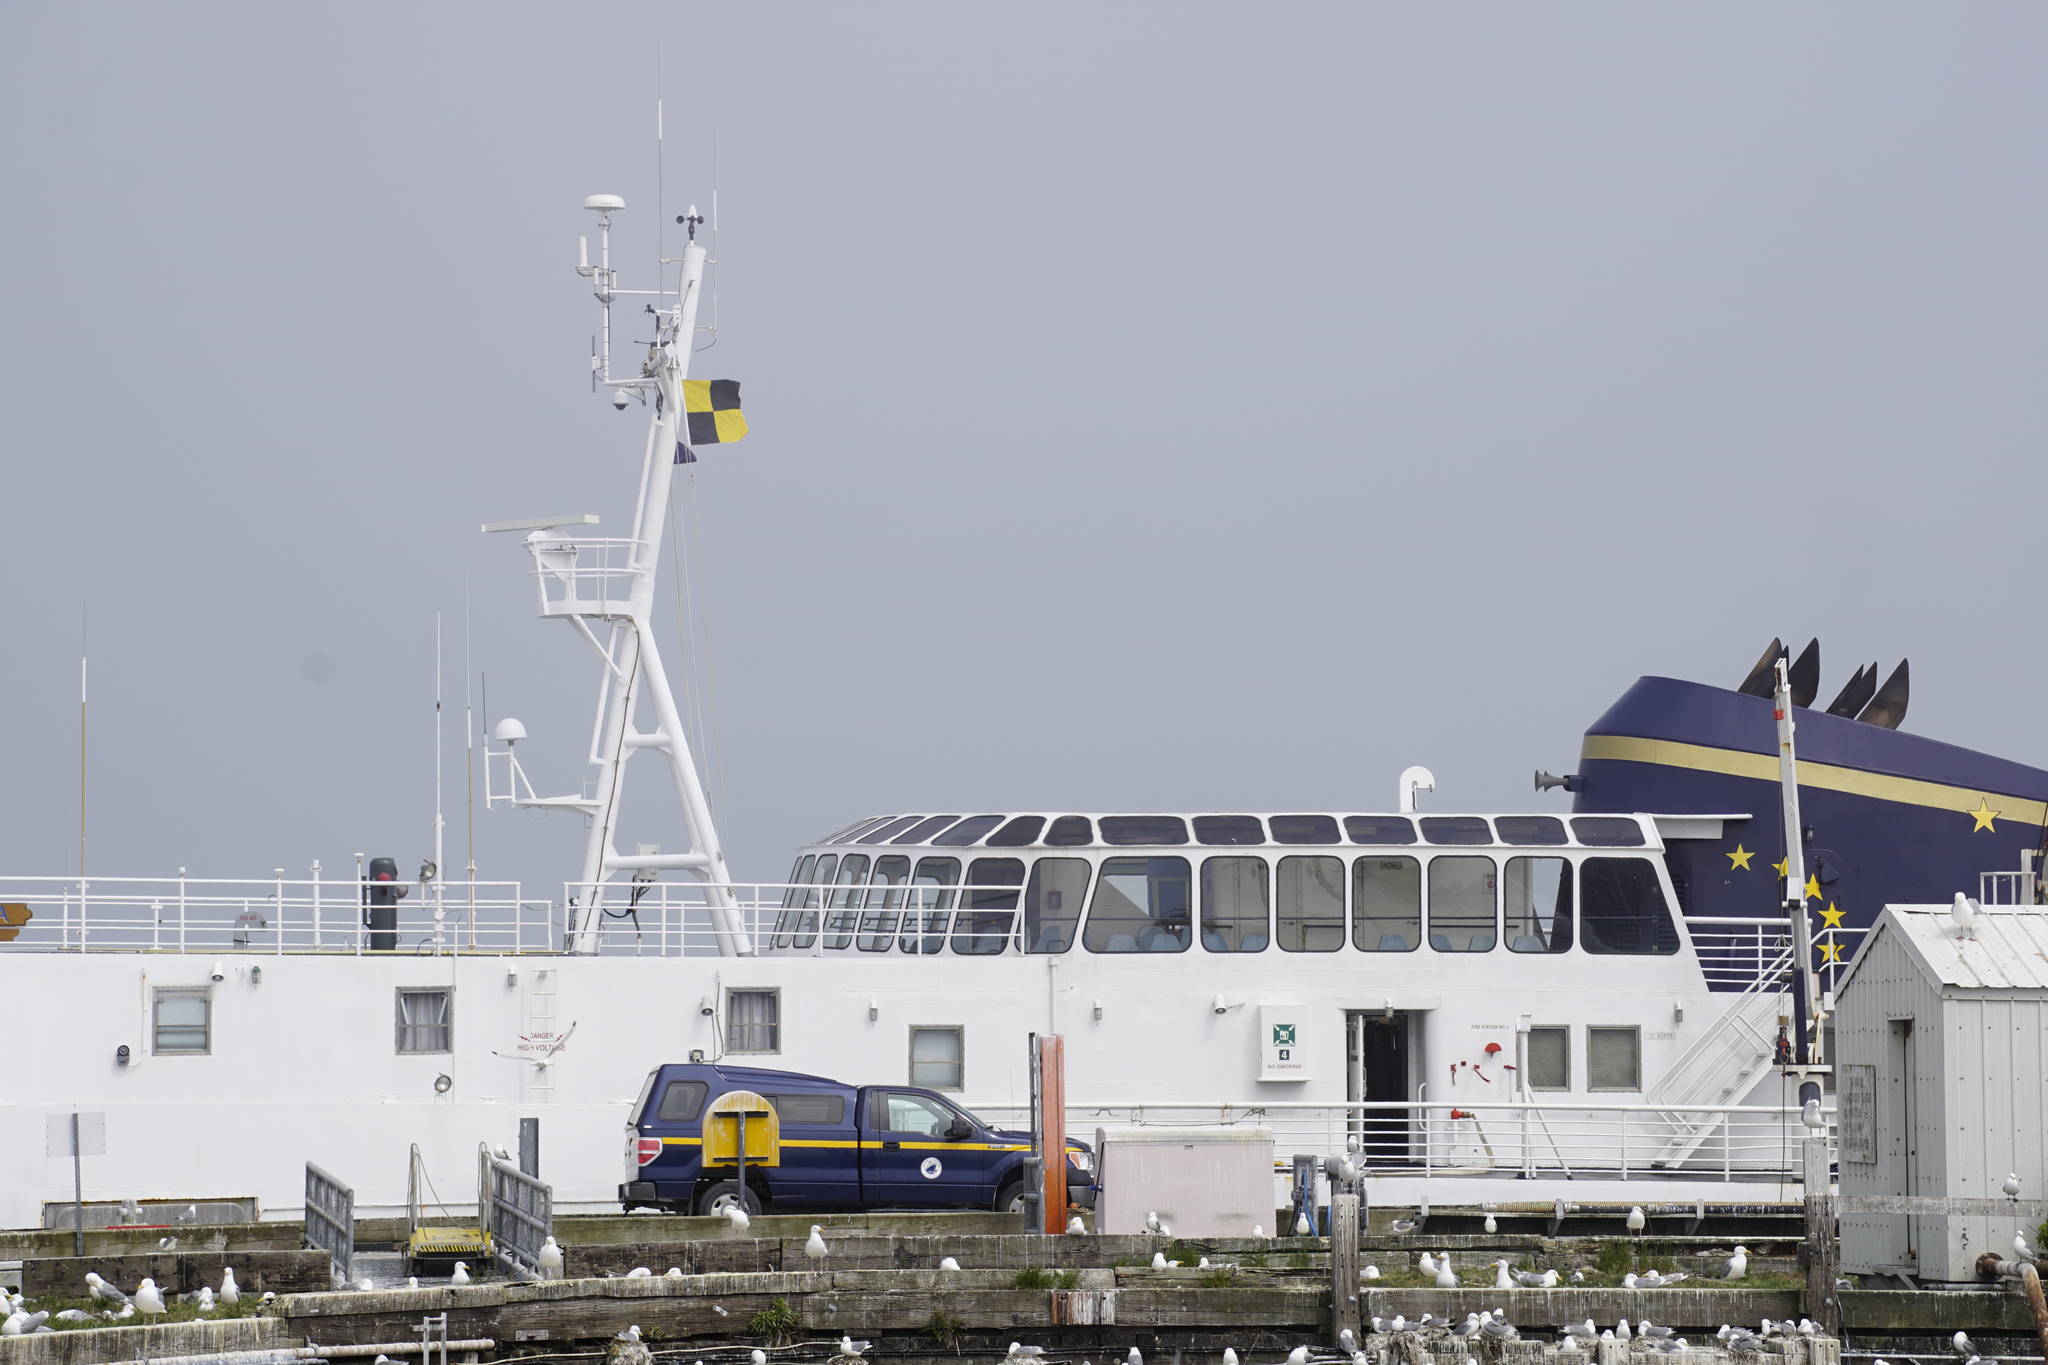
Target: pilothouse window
{"points": [[1018, 833], [982, 927], [1228, 829], [1140, 906], [1144, 829], [1235, 910], [1386, 905], [853, 870], [1309, 895], [1052, 903], [931, 905], [1622, 908], [884, 904], [968, 830], [1305, 829], [1069, 831], [1537, 905], [1461, 893]]}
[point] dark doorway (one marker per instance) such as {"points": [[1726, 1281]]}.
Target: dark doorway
{"points": [[1376, 1055]]}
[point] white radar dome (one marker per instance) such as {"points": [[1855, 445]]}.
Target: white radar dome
{"points": [[604, 203], [508, 730]]}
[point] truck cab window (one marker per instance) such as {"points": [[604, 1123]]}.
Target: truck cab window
{"points": [[906, 1113]]}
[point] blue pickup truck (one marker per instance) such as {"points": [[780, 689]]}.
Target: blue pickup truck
{"points": [[842, 1147]]}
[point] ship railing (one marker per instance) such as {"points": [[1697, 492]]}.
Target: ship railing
{"points": [[276, 915], [585, 575], [2007, 888], [680, 918], [1522, 1139]]}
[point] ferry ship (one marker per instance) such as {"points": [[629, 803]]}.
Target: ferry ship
{"points": [[1483, 1005]]}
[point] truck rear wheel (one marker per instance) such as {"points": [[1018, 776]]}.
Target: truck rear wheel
{"points": [[716, 1198], [1010, 1198]]}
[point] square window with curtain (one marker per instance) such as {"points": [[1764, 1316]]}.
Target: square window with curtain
{"points": [[753, 1021], [183, 1021], [1550, 1058], [1614, 1058], [938, 1058], [426, 1020]]}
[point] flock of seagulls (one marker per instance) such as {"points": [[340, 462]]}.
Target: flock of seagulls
{"points": [[115, 1305]]}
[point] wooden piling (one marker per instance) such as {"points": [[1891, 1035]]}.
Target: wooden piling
{"points": [[1344, 1292]]}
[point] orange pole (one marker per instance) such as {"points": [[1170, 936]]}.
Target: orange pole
{"points": [[1052, 1121]]}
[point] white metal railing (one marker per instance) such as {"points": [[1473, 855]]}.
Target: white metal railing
{"points": [[585, 574], [659, 919], [278, 915], [1496, 1137], [2005, 888]]}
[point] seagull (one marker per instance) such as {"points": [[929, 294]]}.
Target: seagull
{"points": [[849, 1347], [1583, 1331], [1446, 1278], [675, 1272], [720, 1310], [1301, 1227], [1500, 1276], [814, 1247], [550, 1259], [1403, 1225], [1159, 1261], [1229, 1355], [1298, 1356], [1963, 916], [412, 1282], [73, 1315], [269, 1296], [737, 1217], [1959, 1343], [1258, 1229], [1491, 1224], [1636, 1219], [2020, 1248], [1737, 1264], [1153, 1225], [630, 1334], [1427, 1265], [461, 1275], [1670, 1346], [188, 1214], [1807, 1327], [1020, 1352], [1371, 1272], [1630, 1280], [166, 1244], [1467, 1329], [1075, 1226], [230, 1292], [1132, 1357], [1621, 1332], [1810, 1115], [148, 1298], [1650, 1331], [639, 1272], [1536, 1279], [206, 1303], [1347, 1341], [102, 1290], [757, 1357], [127, 1311]]}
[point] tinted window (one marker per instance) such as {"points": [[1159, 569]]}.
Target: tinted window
{"points": [[983, 925], [884, 904], [682, 1102], [1069, 831], [1536, 905], [1235, 912], [1461, 892], [1304, 829], [1019, 832], [1308, 896], [804, 932], [889, 829], [1144, 829], [862, 828], [826, 1109], [785, 922], [1379, 829], [1614, 1059], [1455, 829], [1622, 909], [923, 830], [1140, 906], [1386, 904], [1607, 831], [968, 830], [1228, 829], [1529, 829], [1550, 1058], [1052, 903], [930, 906], [846, 897]]}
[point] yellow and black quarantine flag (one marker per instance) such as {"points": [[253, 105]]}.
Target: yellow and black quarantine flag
{"points": [[711, 416]]}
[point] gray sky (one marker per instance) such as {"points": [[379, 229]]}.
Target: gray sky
{"points": [[1153, 406]]}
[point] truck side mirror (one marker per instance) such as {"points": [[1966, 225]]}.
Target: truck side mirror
{"points": [[959, 1129]]}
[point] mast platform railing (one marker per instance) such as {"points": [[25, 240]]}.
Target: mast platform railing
{"points": [[586, 575]]}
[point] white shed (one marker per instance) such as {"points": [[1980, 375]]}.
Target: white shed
{"points": [[1941, 1042]]}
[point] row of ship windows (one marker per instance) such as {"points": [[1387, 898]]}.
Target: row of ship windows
{"points": [[1166, 831], [181, 1021], [1302, 904]]}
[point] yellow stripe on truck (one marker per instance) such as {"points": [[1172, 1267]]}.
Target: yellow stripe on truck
{"points": [[873, 1145]]}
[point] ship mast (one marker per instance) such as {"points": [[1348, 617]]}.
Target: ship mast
{"points": [[605, 589]]}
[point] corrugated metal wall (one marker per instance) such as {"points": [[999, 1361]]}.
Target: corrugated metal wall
{"points": [[1958, 1097]]}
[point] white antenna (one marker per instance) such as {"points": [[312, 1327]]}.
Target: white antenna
{"points": [[81, 742]]}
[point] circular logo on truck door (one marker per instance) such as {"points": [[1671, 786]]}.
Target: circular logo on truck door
{"points": [[930, 1168]]}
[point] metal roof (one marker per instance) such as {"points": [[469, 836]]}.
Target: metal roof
{"points": [[2007, 948]]}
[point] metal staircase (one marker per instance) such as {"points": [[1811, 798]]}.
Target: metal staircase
{"points": [[1721, 1065]]}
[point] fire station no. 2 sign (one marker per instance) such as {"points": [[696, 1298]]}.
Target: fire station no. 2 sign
{"points": [[930, 1168], [1282, 1055]]}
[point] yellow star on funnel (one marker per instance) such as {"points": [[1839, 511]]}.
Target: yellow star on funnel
{"points": [[1813, 886], [1830, 952], [1983, 815], [1740, 858], [1831, 917]]}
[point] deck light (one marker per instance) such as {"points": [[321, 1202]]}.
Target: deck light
{"points": [[255, 976], [874, 1011], [443, 1083], [1098, 1009]]}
